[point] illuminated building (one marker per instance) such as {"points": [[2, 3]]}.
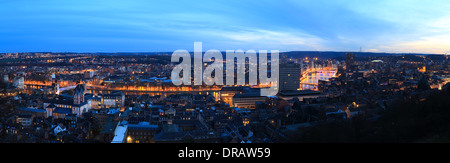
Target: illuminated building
{"points": [[115, 99], [302, 94], [18, 82], [59, 108], [423, 69], [248, 100], [289, 78], [227, 93], [141, 133]]}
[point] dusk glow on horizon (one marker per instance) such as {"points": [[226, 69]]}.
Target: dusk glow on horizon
{"points": [[190, 76], [393, 26]]}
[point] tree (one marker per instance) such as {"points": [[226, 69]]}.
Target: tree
{"points": [[423, 84]]}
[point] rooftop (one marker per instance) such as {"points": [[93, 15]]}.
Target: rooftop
{"points": [[32, 110], [119, 133]]}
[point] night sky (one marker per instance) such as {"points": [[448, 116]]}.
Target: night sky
{"points": [[404, 26]]}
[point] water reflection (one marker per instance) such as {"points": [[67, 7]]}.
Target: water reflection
{"points": [[310, 82]]}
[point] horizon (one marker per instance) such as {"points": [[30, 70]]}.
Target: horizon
{"points": [[124, 52]]}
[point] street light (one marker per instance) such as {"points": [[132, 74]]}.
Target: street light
{"points": [[129, 139]]}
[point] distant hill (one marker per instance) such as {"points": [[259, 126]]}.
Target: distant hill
{"points": [[293, 54], [331, 54]]}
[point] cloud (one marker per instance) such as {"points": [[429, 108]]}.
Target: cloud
{"points": [[372, 50], [419, 27], [438, 44], [340, 25], [270, 36]]}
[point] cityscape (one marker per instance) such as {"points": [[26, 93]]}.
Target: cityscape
{"points": [[130, 98], [110, 72]]}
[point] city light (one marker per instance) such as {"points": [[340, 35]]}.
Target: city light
{"points": [[96, 72]]}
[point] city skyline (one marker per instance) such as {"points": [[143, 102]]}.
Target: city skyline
{"points": [[139, 26]]}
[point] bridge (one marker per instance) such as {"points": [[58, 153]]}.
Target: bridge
{"points": [[313, 84], [308, 74]]}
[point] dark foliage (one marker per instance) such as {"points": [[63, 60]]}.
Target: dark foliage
{"points": [[403, 122]]}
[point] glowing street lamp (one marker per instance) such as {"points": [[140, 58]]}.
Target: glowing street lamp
{"points": [[129, 139]]}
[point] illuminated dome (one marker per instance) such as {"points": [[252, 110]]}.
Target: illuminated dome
{"points": [[377, 61]]}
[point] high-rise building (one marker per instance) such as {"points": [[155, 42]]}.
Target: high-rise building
{"points": [[350, 61], [289, 79], [18, 82]]}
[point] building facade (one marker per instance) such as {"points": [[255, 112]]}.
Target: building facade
{"points": [[59, 108], [290, 74]]}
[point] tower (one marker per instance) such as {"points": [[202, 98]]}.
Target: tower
{"points": [[290, 77], [55, 88], [78, 96], [350, 61]]}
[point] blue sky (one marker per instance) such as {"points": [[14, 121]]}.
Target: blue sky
{"points": [[401, 26]]}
